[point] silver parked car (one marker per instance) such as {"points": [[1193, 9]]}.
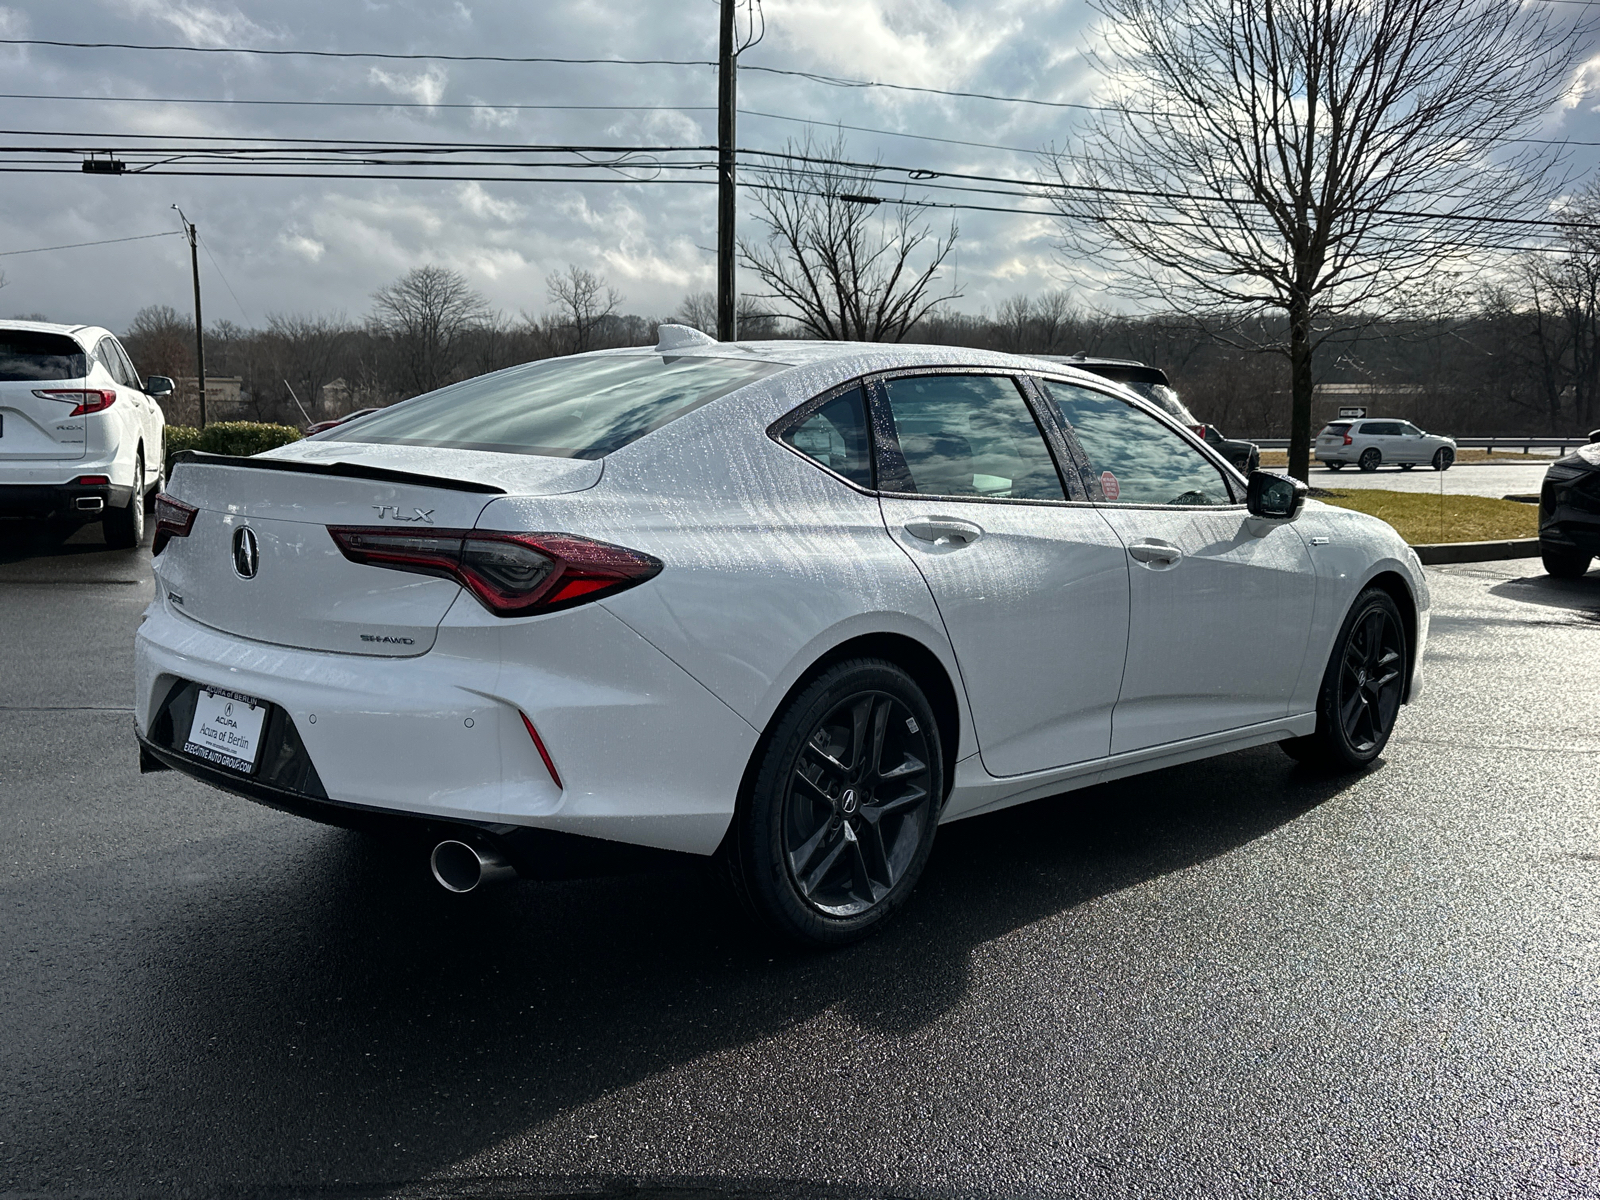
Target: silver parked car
{"points": [[1370, 443]]}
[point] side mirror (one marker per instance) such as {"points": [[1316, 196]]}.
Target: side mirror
{"points": [[158, 385], [1275, 497]]}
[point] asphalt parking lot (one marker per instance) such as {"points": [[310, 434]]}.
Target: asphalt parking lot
{"points": [[1463, 479], [1228, 979]]}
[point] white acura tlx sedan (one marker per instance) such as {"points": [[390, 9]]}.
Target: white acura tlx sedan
{"points": [[791, 604]]}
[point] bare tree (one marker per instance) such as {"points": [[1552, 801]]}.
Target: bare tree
{"points": [[698, 310], [308, 353], [160, 341], [583, 302], [428, 314], [1320, 158], [843, 270]]}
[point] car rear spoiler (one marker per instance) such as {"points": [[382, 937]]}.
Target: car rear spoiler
{"points": [[341, 469]]}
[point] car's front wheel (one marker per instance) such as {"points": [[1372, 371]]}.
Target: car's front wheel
{"points": [[124, 527], [839, 819], [1369, 460], [1443, 457], [1361, 689], [1565, 564]]}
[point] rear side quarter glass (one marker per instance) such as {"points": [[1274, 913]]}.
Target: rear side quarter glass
{"points": [[834, 435]]}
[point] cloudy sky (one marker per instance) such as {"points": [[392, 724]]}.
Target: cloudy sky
{"points": [[321, 245]]}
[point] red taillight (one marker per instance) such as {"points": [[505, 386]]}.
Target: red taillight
{"points": [[88, 400], [538, 744], [1200, 431], [511, 574], [1347, 437], [93, 480], [174, 518]]}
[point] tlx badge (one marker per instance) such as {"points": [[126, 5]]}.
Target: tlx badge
{"points": [[391, 512]]}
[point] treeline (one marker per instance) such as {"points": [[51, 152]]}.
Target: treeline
{"points": [[1518, 362]]}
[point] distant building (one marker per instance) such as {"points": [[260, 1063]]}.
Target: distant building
{"points": [[223, 400]]}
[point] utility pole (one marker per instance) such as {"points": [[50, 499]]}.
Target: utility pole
{"points": [[199, 328], [727, 98]]}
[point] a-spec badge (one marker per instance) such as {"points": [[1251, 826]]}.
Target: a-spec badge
{"points": [[246, 553], [391, 512]]}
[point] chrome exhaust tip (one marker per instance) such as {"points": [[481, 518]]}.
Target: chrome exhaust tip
{"points": [[460, 868], [90, 503]]}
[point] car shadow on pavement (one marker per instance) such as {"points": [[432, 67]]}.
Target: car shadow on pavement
{"points": [[21, 543], [304, 1005], [1581, 596]]}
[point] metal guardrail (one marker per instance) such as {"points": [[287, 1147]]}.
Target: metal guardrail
{"points": [[1526, 443]]}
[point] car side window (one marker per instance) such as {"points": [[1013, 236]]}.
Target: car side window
{"points": [[966, 435], [106, 352], [1409, 429], [1134, 458], [835, 435], [130, 374]]}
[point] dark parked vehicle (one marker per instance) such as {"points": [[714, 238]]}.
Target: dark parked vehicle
{"points": [[1569, 512], [1152, 383]]}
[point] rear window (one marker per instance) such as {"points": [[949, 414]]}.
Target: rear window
{"points": [[1339, 428], [561, 407], [26, 356]]}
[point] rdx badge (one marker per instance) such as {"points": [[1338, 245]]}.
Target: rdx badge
{"points": [[391, 512]]}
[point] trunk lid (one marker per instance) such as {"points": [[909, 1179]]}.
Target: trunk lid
{"points": [[38, 427], [303, 592]]}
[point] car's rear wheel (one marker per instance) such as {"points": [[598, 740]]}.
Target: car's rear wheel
{"points": [[838, 822], [124, 527], [158, 486], [1361, 689], [1369, 460], [1443, 457], [1565, 564]]}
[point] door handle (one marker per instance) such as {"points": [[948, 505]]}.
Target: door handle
{"points": [[1156, 552], [943, 531]]}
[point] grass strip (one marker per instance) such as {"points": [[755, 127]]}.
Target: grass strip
{"points": [[1419, 518]]}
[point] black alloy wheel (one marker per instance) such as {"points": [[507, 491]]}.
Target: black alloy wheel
{"points": [[1370, 458], [1361, 689], [1443, 457], [1565, 564], [838, 825]]}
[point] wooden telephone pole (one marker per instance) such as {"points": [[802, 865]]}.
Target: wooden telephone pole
{"points": [[199, 335], [727, 100]]}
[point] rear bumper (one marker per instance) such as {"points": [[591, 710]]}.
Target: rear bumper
{"points": [[60, 501], [644, 753]]}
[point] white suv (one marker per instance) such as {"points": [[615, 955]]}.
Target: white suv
{"points": [[81, 437], [1371, 442]]}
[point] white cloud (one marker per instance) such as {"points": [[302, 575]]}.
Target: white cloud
{"points": [[426, 87], [201, 24]]}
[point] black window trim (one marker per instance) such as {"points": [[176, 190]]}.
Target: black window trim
{"points": [[796, 417], [1232, 478], [887, 445]]}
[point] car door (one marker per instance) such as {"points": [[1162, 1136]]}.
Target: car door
{"points": [[1411, 446], [128, 416], [152, 420], [1220, 603], [1029, 578]]}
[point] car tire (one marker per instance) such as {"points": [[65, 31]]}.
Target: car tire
{"points": [[1334, 466], [826, 842], [1565, 564], [1370, 460], [156, 488], [1407, 466], [1361, 689], [124, 527], [1443, 457]]}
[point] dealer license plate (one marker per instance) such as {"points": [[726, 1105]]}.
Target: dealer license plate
{"points": [[226, 729]]}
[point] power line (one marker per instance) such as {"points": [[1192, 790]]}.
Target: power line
{"points": [[218, 268], [104, 242], [505, 58], [371, 103]]}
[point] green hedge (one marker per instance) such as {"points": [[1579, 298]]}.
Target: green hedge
{"points": [[229, 437]]}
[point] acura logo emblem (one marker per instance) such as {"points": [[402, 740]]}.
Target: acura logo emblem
{"points": [[246, 552]]}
